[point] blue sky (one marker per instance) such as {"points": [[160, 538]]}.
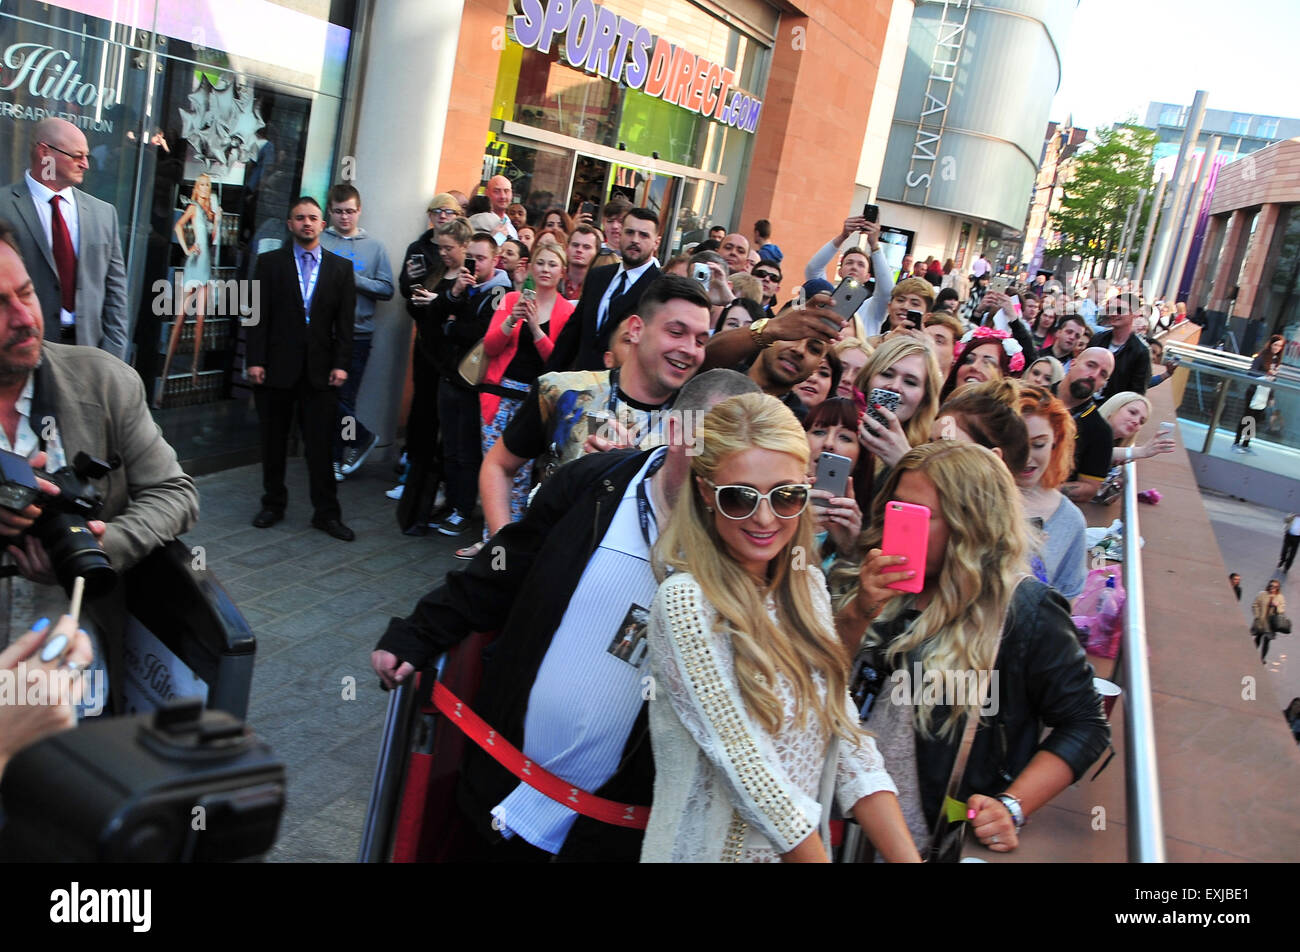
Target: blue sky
{"points": [[1122, 54]]}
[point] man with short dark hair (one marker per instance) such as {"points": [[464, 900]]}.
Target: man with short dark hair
{"points": [[1094, 443], [611, 217], [296, 358], [345, 237], [1132, 357], [584, 242], [717, 233], [1068, 330], [769, 275], [559, 586], [609, 295], [861, 266]]}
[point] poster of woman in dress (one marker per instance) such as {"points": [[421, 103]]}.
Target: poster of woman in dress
{"points": [[202, 215]]}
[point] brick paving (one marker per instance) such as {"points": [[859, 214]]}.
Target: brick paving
{"points": [[317, 607]]}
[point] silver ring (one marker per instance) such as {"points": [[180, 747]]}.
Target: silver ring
{"points": [[995, 838]]}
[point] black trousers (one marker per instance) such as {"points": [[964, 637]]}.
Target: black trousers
{"points": [[1289, 545], [462, 445], [316, 413], [422, 419]]}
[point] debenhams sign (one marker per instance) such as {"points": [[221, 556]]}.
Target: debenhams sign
{"points": [[52, 77], [617, 49]]}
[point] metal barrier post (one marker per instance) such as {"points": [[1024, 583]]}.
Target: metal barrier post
{"points": [[1146, 833]]}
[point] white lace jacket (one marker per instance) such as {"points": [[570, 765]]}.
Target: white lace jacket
{"points": [[726, 790]]}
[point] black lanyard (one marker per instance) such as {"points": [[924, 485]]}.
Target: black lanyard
{"points": [[644, 513]]}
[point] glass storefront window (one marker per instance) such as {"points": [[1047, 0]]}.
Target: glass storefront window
{"points": [[202, 122], [546, 92]]}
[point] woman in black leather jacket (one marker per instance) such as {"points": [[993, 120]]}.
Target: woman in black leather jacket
{"points": [[980, 620]]}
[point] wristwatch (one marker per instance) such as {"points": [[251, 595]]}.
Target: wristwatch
{"points": [[1013, 807], [756, 333]]}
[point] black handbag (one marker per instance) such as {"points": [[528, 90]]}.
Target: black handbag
{"points": [[1279, 624]]}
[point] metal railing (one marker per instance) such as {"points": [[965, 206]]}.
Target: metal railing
{"points": [[1146, 828], [1224, 368]]}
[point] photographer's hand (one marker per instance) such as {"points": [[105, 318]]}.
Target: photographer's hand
{"points": [[32, 561], [15, 523]]}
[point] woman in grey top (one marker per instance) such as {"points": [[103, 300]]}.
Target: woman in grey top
{"points": [[1062, 546]]}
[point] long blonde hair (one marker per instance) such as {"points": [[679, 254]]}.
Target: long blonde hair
{"points": [[1118, 402], [794, 646], [959, 630], [893, 349]]}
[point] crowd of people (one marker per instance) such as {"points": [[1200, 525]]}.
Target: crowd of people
{"points": [[647, 443]]}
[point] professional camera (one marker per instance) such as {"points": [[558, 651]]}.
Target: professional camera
{"points": [[62, 529]]}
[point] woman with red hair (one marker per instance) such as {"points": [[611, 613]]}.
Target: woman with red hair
{"points": [[1061, 545]]}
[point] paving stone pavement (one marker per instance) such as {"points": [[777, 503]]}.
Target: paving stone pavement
{"points": [[317, 606]]}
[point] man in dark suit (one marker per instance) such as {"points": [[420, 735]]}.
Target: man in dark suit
{"points": [[70, 242], [298, 347], [609, 294]]}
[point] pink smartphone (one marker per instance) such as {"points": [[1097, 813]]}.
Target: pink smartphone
{"points": [[907, 531]]}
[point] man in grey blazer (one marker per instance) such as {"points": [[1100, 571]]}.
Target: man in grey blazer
{"points": [[74, 255], [57, 400]]}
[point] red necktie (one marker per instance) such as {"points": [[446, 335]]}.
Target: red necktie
{"points": [[65, 257]]}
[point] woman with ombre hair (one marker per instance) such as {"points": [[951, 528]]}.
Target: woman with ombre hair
{"points": [[752, 725], [906, 365], [1059, 537], [978, 618]]}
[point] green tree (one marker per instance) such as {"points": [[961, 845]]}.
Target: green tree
{"points": [[1106, 176]]}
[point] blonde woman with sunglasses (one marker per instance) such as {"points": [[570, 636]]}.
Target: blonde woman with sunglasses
{"points": [[751, 723]]}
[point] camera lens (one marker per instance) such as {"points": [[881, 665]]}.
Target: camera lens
{"points": [[74, 550]]}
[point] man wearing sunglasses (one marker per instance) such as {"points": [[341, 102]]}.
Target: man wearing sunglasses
{"points": [[562, 587], [70, 242], [769, 275]]}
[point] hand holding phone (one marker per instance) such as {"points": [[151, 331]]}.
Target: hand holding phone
{"points": [[832, 476], [889, 399], [907, 533]]}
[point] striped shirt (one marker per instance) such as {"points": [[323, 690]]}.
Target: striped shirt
{"points": [[585, 701]]}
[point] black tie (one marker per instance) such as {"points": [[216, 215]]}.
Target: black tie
{"points": [[619, 288]]}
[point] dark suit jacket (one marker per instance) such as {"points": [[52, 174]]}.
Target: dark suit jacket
{"points": [[281, 340], [1132, 365], [580, 346], [101, 273]]}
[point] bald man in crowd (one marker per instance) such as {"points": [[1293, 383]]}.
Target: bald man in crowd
{"points": [[735, 248], [500, 194], [70, 242], [1093, 442]]}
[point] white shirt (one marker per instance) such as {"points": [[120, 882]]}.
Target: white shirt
{"points": [[25, 442], [979, 268], [1295, 526], [585, 701], [633, 276], [41, 196]]}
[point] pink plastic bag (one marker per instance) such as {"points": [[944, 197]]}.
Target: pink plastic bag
{"points": [[1099, 612]]}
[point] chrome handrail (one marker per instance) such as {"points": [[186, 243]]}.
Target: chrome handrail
{"points": [[1146, 830]]}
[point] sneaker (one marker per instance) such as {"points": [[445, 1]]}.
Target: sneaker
{"points": [[454, 524], [338, 473], [437, 514], [396, 491], [355, 455], [1247, 449], [1238, 449]]}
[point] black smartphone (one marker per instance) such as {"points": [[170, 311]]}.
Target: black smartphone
{"points": [[871, 213], [916, 318], [588, 208]]}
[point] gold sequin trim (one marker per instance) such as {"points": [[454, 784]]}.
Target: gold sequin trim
{"points": [[735, 841], [699, 666]]}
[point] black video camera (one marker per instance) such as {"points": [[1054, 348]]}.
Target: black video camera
{"points": [[62, 527]]}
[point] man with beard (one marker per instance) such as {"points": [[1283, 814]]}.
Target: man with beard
{"points": [[786, 364], [609, 294], [1093, 445], [56, 401]]}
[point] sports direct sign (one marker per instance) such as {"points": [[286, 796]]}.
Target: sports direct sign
{"points": [[614, 48]]}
